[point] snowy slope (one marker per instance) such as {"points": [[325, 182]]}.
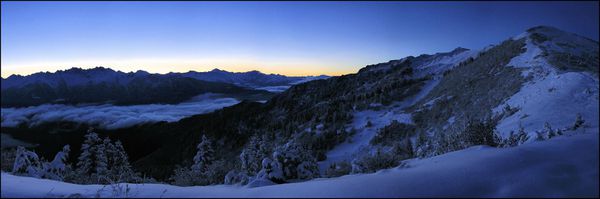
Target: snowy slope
{"points": [[434, 65], [565, 166], [552, 95]]}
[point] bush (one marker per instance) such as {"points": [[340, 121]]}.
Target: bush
{"points": [[183, 176], [297, 161], [338, 169], [394, 131], [8, 158], [480, 132], [236, 177], [374, 162]]}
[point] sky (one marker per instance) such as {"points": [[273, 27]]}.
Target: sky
{"points": [[289, 38]]}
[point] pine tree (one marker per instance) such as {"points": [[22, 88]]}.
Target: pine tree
{"points": [[423, 145], [271, 170], [86, 164], [522, 135], [578, 121], [253, 153], [57, 169], [548, 130], [204, 157], [101, 161], [539, 136], [27, 163], [296, 161], [120, 168], [559, 132]]}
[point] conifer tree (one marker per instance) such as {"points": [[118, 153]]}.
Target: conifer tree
{"points": [[522, 135], [86, 164], [204, 157], [548, 130], [27, 163], [57, 169]]}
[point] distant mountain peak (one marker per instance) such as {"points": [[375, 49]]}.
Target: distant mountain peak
{"points": [[215, 70], [460, 49], [543, 28]]}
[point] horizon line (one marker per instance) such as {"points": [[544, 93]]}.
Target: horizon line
{"points": [[5, 76]]}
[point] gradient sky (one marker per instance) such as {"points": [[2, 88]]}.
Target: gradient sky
{"points": [[290, 38]]}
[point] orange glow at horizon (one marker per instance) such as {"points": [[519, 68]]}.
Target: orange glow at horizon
{"points": [[165, 66]]}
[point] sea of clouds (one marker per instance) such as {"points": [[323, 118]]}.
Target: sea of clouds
{"points": [[112, 117]]}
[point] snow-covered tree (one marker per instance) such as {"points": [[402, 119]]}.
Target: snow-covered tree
{"points": [[101, 173], [578, 121], [253, 153], [101, 161], [57, 169], [373, 162], [120, 168], [297, 161], [338, 169], [539, 136], [480, 132], [204, 156], [235, 177], [27, 163], [548, 130], [424, 147], [559, 132], [522, 136], [182, 176], [216, 172], [307, 170], [205, 170], [86, 164], [271, 170]]}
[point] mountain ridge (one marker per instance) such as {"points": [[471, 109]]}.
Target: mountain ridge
{"points": [[215, 75], [430, 98]]}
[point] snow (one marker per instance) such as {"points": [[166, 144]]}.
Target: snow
{"points": [[73, 77], [565, 166], [385, 115], [439, 64], [533, 60], [110, 116], [550, 96], [429, 85], [556, 99], [360, 140], [561, 41]]}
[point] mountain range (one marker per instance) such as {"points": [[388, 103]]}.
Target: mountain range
{"points": [[414, 105], [100, 85]]}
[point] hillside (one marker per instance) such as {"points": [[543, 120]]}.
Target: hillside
{"points": [[571, 170], [415, 107]]}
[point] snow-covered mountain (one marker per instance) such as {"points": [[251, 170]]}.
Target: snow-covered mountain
{"points": [[77, 76], [72, 77], [540, 84], [252, 79], [99, 85]]}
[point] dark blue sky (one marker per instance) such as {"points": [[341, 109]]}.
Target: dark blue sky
{"points": [[293, 38]]}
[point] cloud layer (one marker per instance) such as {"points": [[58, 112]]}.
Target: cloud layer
{"points": [[111, 116]]}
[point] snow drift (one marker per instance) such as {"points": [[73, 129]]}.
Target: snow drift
{"points": [[565, 166]]}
